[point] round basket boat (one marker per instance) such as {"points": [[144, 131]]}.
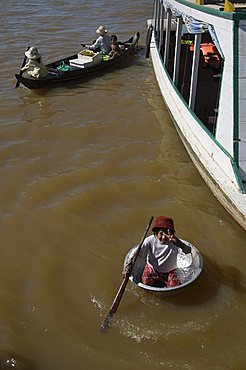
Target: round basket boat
{"points": [[189, 267]]}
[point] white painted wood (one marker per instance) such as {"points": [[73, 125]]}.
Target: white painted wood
{"points": [[242, 132], [194, 74], [158, 18], [242, 88], [242, 110], [242, 65], [177, 51], [242, 98], [161, 27], [167, 40], [155, 13]]}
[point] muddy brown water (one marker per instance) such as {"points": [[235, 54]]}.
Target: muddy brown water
{"points": [[83, 168]]}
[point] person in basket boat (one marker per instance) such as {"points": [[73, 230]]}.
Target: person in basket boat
{"points": [[35, 64], [102, 43], [162, 250]]}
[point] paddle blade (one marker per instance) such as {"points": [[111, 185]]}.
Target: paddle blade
{"points": [[17, 83], [107, 322], [109, 318], [23, 63]]}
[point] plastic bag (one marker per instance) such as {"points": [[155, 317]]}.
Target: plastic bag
{"points": [[88, 53], [63, 67], [105, 58]]}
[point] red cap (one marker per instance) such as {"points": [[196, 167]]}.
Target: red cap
{"points": [[163, 222]]}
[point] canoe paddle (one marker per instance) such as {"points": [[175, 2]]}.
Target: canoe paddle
{"points": [[23, 63], [109, 318]]}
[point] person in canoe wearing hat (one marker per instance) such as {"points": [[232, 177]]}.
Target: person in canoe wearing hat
{"points": [[162, 250], [102, 43], [35, 64]]}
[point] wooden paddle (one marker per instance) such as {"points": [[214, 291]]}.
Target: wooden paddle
{"points": [[109, 318], [23, 63]]}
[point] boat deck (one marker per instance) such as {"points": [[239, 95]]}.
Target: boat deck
{"points": [[219, 5]]}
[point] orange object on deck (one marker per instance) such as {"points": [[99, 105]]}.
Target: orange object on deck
{"points": [[209, 50], [211, 57]]}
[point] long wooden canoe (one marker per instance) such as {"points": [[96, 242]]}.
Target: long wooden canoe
{"points": [[56, 77]]}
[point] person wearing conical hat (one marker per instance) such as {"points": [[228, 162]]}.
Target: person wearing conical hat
{"points": [[102, 43], [162, 249], [35, 64]]}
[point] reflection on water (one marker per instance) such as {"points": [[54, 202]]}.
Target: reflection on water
{"points": [[9, 360], [83, 168]]}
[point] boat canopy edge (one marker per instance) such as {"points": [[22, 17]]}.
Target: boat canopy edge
{"points": [[227, 15]]}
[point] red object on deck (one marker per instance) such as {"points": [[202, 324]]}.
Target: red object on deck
{"points": [[210, 53]]}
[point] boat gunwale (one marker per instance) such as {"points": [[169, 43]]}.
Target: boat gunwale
{"points": [[237, 15]]}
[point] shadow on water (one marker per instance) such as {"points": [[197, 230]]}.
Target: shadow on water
{"points": [[211, 279], [11, 360]]}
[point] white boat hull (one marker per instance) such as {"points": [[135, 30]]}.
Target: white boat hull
{"points": [[212, 155]]}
